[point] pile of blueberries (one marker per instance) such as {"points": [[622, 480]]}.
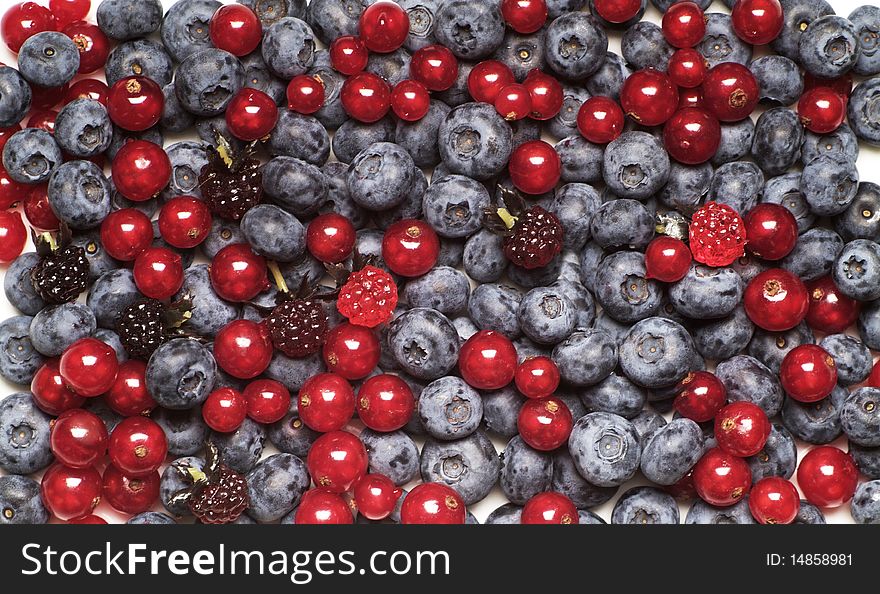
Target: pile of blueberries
{"points": [[667, 289]]}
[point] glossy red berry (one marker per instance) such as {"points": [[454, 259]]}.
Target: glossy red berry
{"points": [[776, 300], [874, 378], [305, 94], [89, 367], [699, 396], [383, 26], [549, 507], [830, 310], [87, 519], [5, 134], [135, 103], [385, 403], [267, 400], [88, 88], [137, 446], [524, 16], [600, 120], [649, 97], [722, 479], [368, 297], [842, 85], [717, 235], [320, 507], [326, 402], [50, 392], [13, 236], [129, 395], [243, 348], [158, 272], [336, 461], [487, 360], [617, 11], [545, 93], [235, 28], [184, 221], [435, 66], [692, 136], [513, 102], [757, 22], [79, 438], [410, 100], [690, 97], [684, 489], [251, 115], [140, 170], [36, 208], [130, 495], [808, 373], [43, 119], [376, 496], [535, 167], [21, 21], [93, 44], [433, 503], [237, 273], [47, 97], [486, 80], [772, 231], [774, 500], [821, 110], [827, 476], [410, 247], [684, 24], [330, 237], [687, 68], [67, 11], [224, 410], [351, 351], [544, 423], [11, 190], [126, 233], [348, 55], [70, 492], [365, 97], [730, 92], [667, 259], [537, 377], [741, 429]]}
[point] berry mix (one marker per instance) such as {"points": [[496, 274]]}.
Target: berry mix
{"points": [[614, 269]]}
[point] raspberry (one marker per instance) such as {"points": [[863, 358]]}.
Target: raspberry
{"points": [[717, 235], [368, 297]]}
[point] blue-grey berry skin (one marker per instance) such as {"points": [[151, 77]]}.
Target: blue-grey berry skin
{"points": [[293, 373], [18, 287], [536, 277], [420, 138], [494, 307], [181, 373], [865, 505], [815, 255], [779, 79], [722, 339], [153, 135], [483, 258], [184, 28], [48, 59], [778, 457], [644, 46], [635, 165], [862, 111], [352, 137], [139, 57], [410, 208], [20, 501], [622, 223], [290, 434], [339, 198], [671, 451], [301, 136], [380, 176], [475, 141], [422, 18], [275, 486], [295, 185], [24, 435], [469, 465], [737, 184], [564, 123], [776, 145], [663, 5], [575, 205], [209, 312], [785, 190], [443, 288], [703, 513], [328, 18], [566, 479], [841, 144], [586, 357], [83, 128], [797, 14], [207, 81], [288, 47], [451, 252], [617, 330], [829, 47], [829, 185], [453, 206], [861, 219], [470, 29], [581, 299], [241, 449], [770, 348], [809, 514], [257, 76], [150, 518], [605, 449], [656, 353], [274, 233], [58, 326], [424, 343], [747, 379], [645, 505], [522, 53], [815, 422], [465, 327], [615, 394], [110, 294], [450, 409], [869, 324], [860, 417], [127, 19], [721, 44], [707, 293], [19, 360], [507, 514], [646, 423], [113, 341], [185, 430], [392, 67], [622, 289], [187, 160], [79, 194], [222, 233], [867, 459], [525, 472], [852, 358], [172, 481], [15, 96], [30, 156], [687, 187], [99, 407], [736, 141], [581, 159], [501, 409], [609, 78], [856, 270], [546, 315], [393, 454], [866, 20]]}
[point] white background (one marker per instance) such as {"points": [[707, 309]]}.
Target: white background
{"points": [[869, 158]]}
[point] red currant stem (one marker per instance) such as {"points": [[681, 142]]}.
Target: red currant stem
{"points": [[276, 274]]}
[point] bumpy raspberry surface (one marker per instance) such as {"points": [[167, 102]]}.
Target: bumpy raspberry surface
{"points": [[368, 297], [717, 235]]}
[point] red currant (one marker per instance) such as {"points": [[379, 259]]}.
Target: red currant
{"points": [[93, 45], [535, 167], [667, 259], [336, 461], [545, 93], [224, 410], [366, 97], [70, 492], [513, 102], [243, 348], [158, 272], [874, 378], [435, 67], [383, 26], [549, 507], [487, 360], [687, 68], [544, 423], [376, 496], [126, 233], [79, 438], [349, 55], [251, 115], [830, 310], [137, 446], [330, 237], [135, 103], [757, 22], [36, 208], [320, 507], [524, 16], [184, 221], [89, 367], [87, 519], [326, 402], [828, 477], [722, 479], [808, 373], [537, 377], [741, 429], [385, 403], [487, 78], [842, 85], [410, 247], [351, 351], [821, 110], [67, 11], [684, 24], [692, 135], [690, 98], [235, 28], [410, 100], [617, 11], [130, 495], [600, 120], [649, 97], [43, 119], [88, 88], [140, 170], [47, 97], [50, 392], [305, 94], [433, 503], [21, 21], [5, 134], [237, 273], [730, 92], [772, 231], [129, 395], [684, 489], [776, 300], [774, 500], [11, 190], [699, 396], [267, 400], [13, 236]]}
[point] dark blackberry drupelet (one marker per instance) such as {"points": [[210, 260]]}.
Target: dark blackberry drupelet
{"points": [[298, 327], [231, 184], [217, 495], [61, 275], [142, 327], [536, 239]]}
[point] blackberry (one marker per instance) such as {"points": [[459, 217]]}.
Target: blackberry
{"points": [[147, 323], [298, 327], [532, 236], [231, 183], [218, 494], [63, 270]]}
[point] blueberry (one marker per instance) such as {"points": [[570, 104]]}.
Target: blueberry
{"points": [[861, 219], [687, 187], [609, 78], [210, 129], [339, 199], [121, 136], [777, 142], [736, 141], [422, 19], [329, 18], [706, 292], [586, 357], [567, 480], [645, 505], [779, 79], [494, 307], [48, 59], [127, 19], [522, 53], [472, 29], [778, 457], [410, 208], [814, 255], [288, 47], [420, 138], [508, 513], [442, 288], [866, 20], [770, 348], [185, 27], [546, 315], [450, 409], [222, 233], [380, 176], [297, 135], [622, 288], [296, 186], [173, 481], [536, 277], [663, 5], [24, 435], [852, 358], [57, 327], [181, 373], [841, 145], [393, 67], [605, 449], [671, 451], [646, 423], [393, 454], [139, 57], [581, 159], [99, 407], [18, 286], [483, 258], [207, 80], [809, 514], [257, 76], [860, 417], [724, 338], [622, 223], [635, 165], [656, 353], [110, 294], [275, 486], [785, 190], [149, 518], [856, 270], [565, 122], [747, 379], [815, 422], [501, 409], [829, 185], [575, 45], [20, 501], [185, 430], [475, 141], [869, 324], [615, 394], [30, 156], [453, 206], [293, 373], [79, 194], [703, 513], [209, 312], [721, 44], [738, 184], [581, 299], [274, 233], [424, 343], [867, 459], [352, 137], [829, 47], [15, 96], [865, 504], [525, 472], [643, 46], [83, 128], [242, 449], [469, 465], [797, 14]]}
